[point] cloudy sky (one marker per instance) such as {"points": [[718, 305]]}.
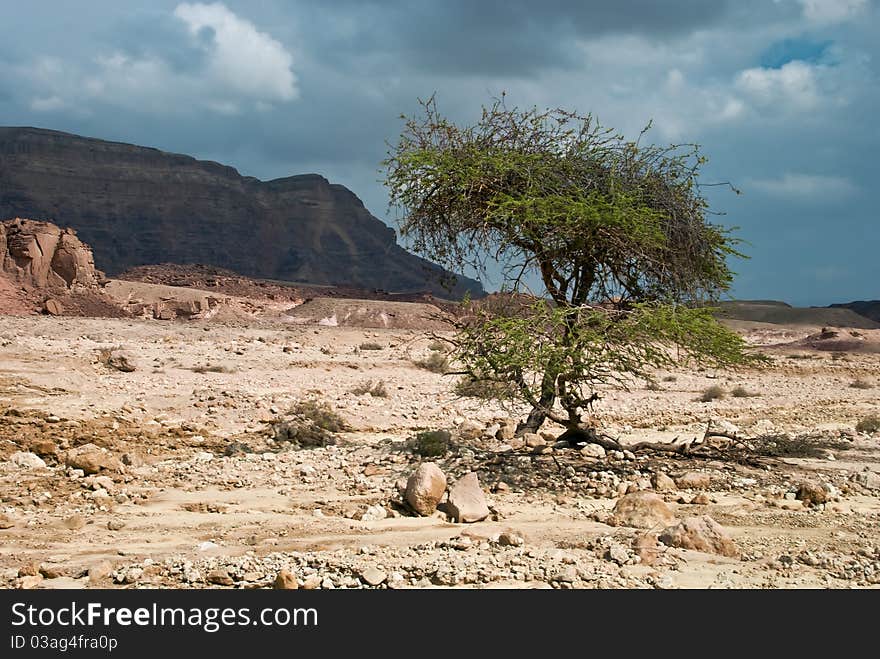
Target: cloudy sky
{"points": [[782, 94]]}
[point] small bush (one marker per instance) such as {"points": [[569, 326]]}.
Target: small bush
{"points": [[861, 384], [321, 414], [712, 393], [376, 390], [371, 346], [312, 424], [869, 425], [432, 443], [742, 392], [471, 387], [436, 362], [653, 385], [669, 378]]}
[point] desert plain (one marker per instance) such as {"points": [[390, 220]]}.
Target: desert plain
{"points": [[171, 473]]}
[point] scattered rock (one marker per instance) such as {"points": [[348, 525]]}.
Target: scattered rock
{"points": [[6, 522], [100, 571], [534, 440], [511, 539], [43, 447], [286, 581], [617, 553], [694, 480], [701, 534], [642, 510], [220, 577], [467, 503], [373, 576], [661, 482], [648, 549], [115, 524], [27, 460], [593, 451], [567, 574], [29, 582], [53, 307], [507, 431], [29, 569], [811, 493], [91, 459], [702, 499], [122, 360], [49, 571], [470, 430], [312, 583], [425, 488]]}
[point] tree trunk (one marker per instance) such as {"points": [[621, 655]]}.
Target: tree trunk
{"points": [[538, 414]]}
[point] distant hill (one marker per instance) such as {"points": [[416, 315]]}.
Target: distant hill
{"points": [[780, 313], [138, 206], [868, 309]]}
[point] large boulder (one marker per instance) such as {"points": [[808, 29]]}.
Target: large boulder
{"points": [[425, 488], [42, 255], [642, 510], [694, 480], [91, 459], [701, 534], [467, 503]]}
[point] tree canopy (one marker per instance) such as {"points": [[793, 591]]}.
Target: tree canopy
{"points": [[617, 233]]}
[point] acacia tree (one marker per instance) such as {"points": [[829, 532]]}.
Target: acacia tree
{"points": [[616, 233]]}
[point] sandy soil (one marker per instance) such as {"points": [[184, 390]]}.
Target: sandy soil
{"points": [[197, 493]]}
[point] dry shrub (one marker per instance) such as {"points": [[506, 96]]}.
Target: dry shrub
{"points": [[712, 393]]}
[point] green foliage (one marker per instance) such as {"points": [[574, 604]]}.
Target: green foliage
{"points": [[320, 414], [432, 443], [481, 387], [616, 232], [310, 424]]}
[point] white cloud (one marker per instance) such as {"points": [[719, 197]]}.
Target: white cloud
{"points": [[791, 86], [234, 67], [47, 103], [832, 11], [807, 187], [241, 57]]}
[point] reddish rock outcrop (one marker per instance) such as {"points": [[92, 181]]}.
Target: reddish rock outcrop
{"points": [[42, 255]]}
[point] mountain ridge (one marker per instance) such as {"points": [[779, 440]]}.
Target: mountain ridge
{"points": [[140, 205]]}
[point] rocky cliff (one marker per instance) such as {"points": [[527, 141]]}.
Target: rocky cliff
{"points": [[867, 308], [137, 205]]}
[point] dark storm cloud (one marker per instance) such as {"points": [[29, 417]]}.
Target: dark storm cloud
{"points": [[506, 37], [783, 96]]}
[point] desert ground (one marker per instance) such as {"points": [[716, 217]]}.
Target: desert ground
{"points": [[184, 481]]}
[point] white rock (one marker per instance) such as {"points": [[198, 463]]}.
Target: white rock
{"points": [[593, 451], [27, 460]]}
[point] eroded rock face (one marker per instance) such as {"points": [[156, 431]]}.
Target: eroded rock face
{"points": [[135, 205], [42, 255]]}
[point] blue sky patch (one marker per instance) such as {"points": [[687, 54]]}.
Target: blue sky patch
{"points": [[782, 52]]}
